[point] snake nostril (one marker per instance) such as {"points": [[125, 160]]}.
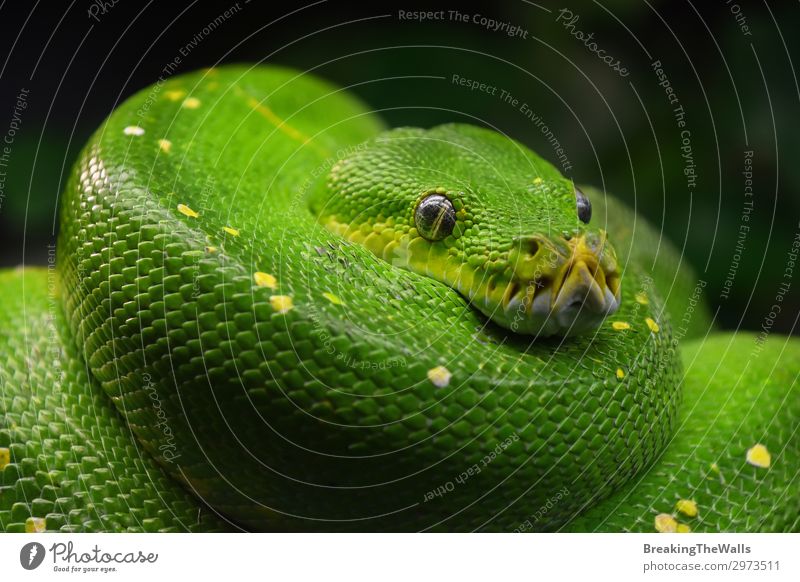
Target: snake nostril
{"points": [[532, 247]]}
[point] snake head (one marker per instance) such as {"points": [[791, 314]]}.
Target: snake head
{"points": [[484, 215]]}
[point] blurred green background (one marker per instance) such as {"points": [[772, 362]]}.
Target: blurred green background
{"points": [[729, 64]]}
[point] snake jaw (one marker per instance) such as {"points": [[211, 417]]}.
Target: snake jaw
{"points": [[584, 298], [567, 294]]}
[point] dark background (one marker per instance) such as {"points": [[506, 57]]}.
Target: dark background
{"points": [[739, 92]]}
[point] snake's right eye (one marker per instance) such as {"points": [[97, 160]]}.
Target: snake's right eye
{"points": [[435, 217], [584, 207]]}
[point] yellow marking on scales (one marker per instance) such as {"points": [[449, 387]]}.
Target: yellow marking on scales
{"points": [[230, 230], [164, 145], [281, 303], [759, 456], [186, 211], [5, 457], [191, 103], [175, 94], [683, 528], [267, 113], [687, 507], [641, 298], [333, 298], [210, 249], [652, 325], [665, 523], [440, 376], [620, 325], [34, 525], [620, 373], [715, 469], [265, 280]]}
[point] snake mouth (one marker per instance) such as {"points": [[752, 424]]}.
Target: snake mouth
{"points": [[572, 297], [575, 303]]}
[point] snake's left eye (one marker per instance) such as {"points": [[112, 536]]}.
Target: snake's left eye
{"points": [[435, 217], [584, 206]]}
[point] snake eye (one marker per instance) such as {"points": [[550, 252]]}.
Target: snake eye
{"points": [[584, 206], [435, 217]]}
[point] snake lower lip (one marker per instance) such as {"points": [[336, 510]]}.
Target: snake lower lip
{"points": [[575, 301], [537, 317]]}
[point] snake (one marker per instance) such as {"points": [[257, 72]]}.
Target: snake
{"points": [[267, 311]]}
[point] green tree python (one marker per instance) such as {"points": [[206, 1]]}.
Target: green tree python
{"points": [[267, 311]]}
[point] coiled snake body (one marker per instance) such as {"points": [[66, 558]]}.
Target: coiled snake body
{"points": [[268, 313]]}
